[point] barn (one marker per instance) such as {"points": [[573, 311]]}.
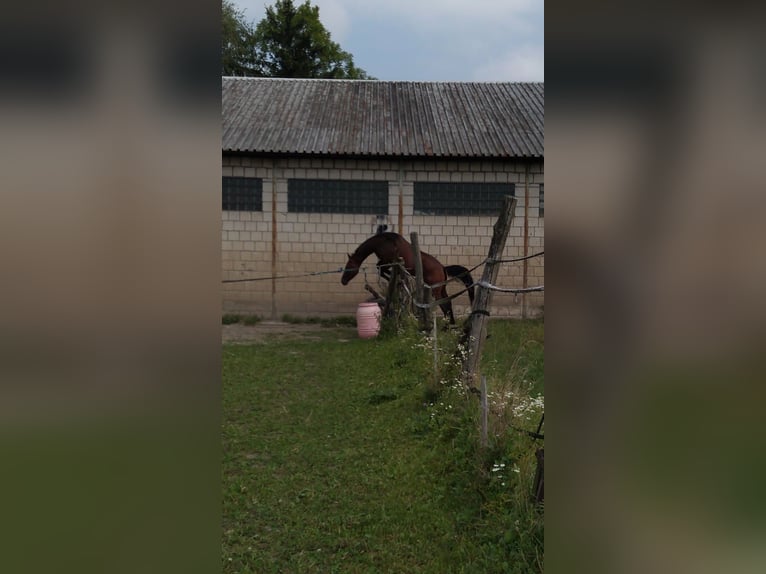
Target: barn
{"points": [[311, 168]]}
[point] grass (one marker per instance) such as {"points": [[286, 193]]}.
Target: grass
{"points": [[251, 320], [335, 459], [232, 318], [339, 321]]}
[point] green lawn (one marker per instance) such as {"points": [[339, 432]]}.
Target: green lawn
{"points": [[334, 460]]}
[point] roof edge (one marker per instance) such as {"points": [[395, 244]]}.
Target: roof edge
{"points": [[321, 155], [349, 80]]}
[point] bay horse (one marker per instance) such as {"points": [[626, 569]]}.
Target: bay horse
{"points": [[391, 246]]}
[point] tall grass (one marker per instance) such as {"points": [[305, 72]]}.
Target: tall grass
{"points": [[510, 526]]}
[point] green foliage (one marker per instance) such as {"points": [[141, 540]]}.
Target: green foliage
{"points": [[292, 319], [513, 362], [509, 525], [291, 42], [382, 396], [516, 352], [237, 55], [339, 321], [397, 326], [231, 318]]}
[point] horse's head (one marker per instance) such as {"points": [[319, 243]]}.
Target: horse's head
{"points": [[350, 270]]}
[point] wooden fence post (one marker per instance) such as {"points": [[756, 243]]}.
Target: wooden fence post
{"points": [[274, 240], [436, 353], [484, 413], [477, 325], [392, 293], [525, 264], [423, 294], [539, 484]]}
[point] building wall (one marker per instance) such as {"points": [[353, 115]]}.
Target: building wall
{"points": [[301, 243]]}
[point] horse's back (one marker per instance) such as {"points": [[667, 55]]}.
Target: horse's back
{"points": [[433, 270]]}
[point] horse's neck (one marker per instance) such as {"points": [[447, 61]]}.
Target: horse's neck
{"points": [[379, 245]]}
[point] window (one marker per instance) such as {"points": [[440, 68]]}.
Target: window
{"points": [[337, 196], [460, 198], [242, 194], [541, 208]]}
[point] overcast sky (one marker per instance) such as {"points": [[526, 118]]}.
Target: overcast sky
{"points": [[434, 40]]}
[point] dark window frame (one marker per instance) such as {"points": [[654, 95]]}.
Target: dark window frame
{"points": [[453, 198], [541, 202], [345, 196], [241, 193]]}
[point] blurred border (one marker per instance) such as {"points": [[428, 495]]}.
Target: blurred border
{"points": [[655, 135], [110, 330]]}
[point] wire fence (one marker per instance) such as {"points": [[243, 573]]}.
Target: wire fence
{"points": [[484, 284], [364, 269], [450, 279], [420, 305]]}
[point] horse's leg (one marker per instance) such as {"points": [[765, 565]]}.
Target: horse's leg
{"points": [[447, 310], [446, 307]]}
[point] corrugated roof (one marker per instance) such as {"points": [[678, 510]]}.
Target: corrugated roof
{"points": [[376, 118]]}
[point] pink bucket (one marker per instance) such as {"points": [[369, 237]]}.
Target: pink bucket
{"points": [[368, 320]]}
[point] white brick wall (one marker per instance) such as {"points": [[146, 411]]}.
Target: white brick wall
{"points": [[314, 242]]}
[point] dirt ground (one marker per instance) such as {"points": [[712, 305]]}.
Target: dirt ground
{"points": [[239, 333]]}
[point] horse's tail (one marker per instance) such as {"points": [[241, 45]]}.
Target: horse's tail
{"points": [[460, 272]]}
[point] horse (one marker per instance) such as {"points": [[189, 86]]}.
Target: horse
{"points": [[389, 247]]}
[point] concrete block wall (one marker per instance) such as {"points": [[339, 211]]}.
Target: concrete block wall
{"points": [[302, 243]]}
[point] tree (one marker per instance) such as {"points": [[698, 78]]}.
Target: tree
{"points": [[291, 42], [237, 45]]}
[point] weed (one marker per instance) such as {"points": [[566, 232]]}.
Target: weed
{"points": [[397, 327], [231, 318], [503, 473], [251, 320], [339, 321], [382, 396]]}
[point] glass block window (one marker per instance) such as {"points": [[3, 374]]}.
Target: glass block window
{"points": [[337, 196], [541, 209], [460, 198], [242, 194]]}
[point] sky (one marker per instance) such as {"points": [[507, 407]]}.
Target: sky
{"points": [[434, 40]]}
